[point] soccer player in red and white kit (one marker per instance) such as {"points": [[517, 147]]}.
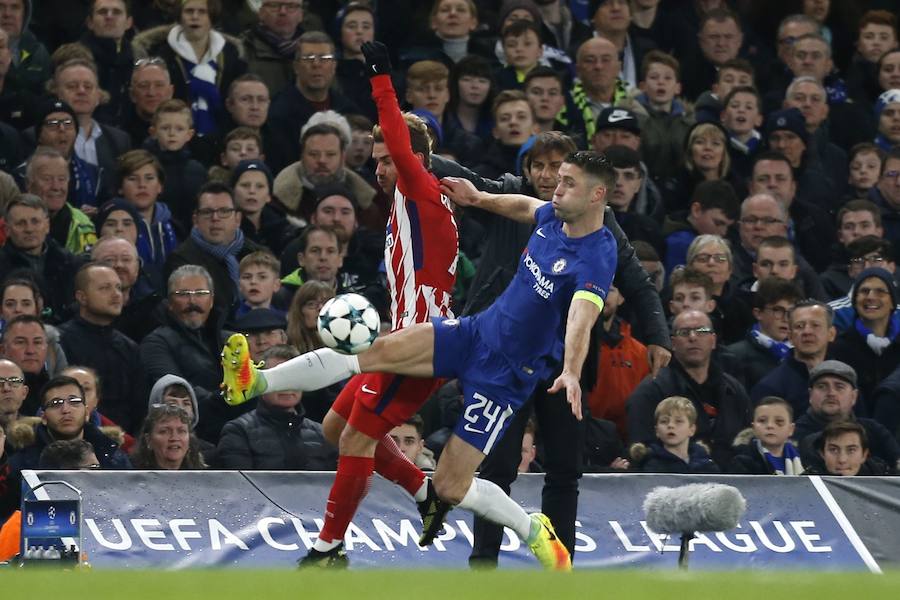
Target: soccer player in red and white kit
{"points": [[420, 259]]}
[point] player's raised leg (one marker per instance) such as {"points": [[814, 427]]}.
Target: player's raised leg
{"points": [[405, 352]]}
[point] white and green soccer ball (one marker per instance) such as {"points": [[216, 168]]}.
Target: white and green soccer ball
{"points": [[348, 323]]}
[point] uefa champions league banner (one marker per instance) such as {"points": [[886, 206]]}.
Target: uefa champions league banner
{"points": [[178, 520]]}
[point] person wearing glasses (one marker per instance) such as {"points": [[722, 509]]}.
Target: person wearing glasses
{"points": [[865, 253], [269, 46], [150, 86], [63, 417], [315, 67], [12, 394], [202, 62], [723, 406], [871, 345], [767, 342], [855, 220], [886, 195], [187, 344], [89, 339], [217, 243]]}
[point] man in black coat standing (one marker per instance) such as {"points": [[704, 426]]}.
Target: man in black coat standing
{"points": [[91, 340]]}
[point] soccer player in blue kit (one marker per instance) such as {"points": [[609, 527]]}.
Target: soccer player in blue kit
{"points": [[546, 313]]}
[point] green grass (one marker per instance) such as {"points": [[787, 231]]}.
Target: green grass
{"points": [[428, 585]]}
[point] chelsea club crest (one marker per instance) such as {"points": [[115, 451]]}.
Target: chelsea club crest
{"points": [[559, 265]]}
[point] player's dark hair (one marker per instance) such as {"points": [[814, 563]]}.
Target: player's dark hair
{"points": [[595, 165]]}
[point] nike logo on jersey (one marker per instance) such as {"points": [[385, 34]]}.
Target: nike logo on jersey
{"points": [[368, 390], [471, 429], [540, 232]]}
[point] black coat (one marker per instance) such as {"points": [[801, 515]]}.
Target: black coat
{"points": [[114, 357], [748, 461], [886, 402], [56, 280], [871, 369], [115, 64], [808, 428], [226, 296], [174, 349], [275, 231], [274, 440], [660, 460], [288, 113], [789, 380], [184, 178], [732, 408], [756, 361]]}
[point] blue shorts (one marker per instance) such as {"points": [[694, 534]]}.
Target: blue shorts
{"points": [[492, 389]]}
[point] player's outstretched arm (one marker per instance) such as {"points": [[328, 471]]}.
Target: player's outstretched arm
{"points": [[513, 206], [583, 314]]}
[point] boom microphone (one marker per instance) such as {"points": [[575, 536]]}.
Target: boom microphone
{"points": [[692, 508]]}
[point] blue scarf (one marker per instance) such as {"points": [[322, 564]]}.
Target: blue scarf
{"points": [[205, 98], [779, 350], [224, 252], [789, 462], [883, 143], [877, 343]]}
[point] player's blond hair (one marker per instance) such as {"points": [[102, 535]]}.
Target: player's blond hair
{"points": [[418, 136]]}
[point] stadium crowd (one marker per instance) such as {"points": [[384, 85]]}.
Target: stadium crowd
{"points": [[172, 171]]}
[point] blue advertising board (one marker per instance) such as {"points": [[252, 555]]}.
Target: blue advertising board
{"points": [[179, 520]]}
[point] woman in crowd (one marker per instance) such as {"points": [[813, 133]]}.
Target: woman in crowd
{"points": [[166, 442]]}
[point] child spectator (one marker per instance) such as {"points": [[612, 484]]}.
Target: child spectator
{"points": [[767, 343], [629, 177], [258, 282], [714, 208], [523, 51], [732, 74], [241, 143], [172, 129], [769, 451], [427, 87], [263, 221], [666, 120], [621, 365], [887, 113], [411, 443], [673, 451], [513, 126], [544, 88], [691, 290], [865, 169], [877, 36], [141, 180], [358, 157], [741, 118]]}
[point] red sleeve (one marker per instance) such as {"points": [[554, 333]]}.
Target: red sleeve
{"points": [[412, 177]]}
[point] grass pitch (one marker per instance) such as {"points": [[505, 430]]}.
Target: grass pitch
{"points": [[430, 585]]}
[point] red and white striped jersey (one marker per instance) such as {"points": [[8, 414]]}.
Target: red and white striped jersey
{"points": [[422, 240]]}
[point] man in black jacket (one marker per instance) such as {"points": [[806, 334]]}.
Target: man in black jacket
{"points": [[30, 248], [562, 433], [315, 64], [188, 345], [276, 436], [723, 407], [832, 395], [91, 340], [216, 243]]}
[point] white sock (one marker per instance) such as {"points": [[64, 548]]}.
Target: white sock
{"points": [[310, 371], [422, 492], [321, 545], [487, 500]]}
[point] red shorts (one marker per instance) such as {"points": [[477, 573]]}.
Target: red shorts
{"points": [[375, 403]]}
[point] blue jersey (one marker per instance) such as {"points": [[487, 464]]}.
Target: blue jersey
{"points": [[527, 322]]}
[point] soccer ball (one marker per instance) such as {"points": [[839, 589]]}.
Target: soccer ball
{"points": [[348, 323]]}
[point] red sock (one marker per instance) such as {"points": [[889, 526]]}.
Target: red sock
{"points": [[394, 466], [351, 483]]}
